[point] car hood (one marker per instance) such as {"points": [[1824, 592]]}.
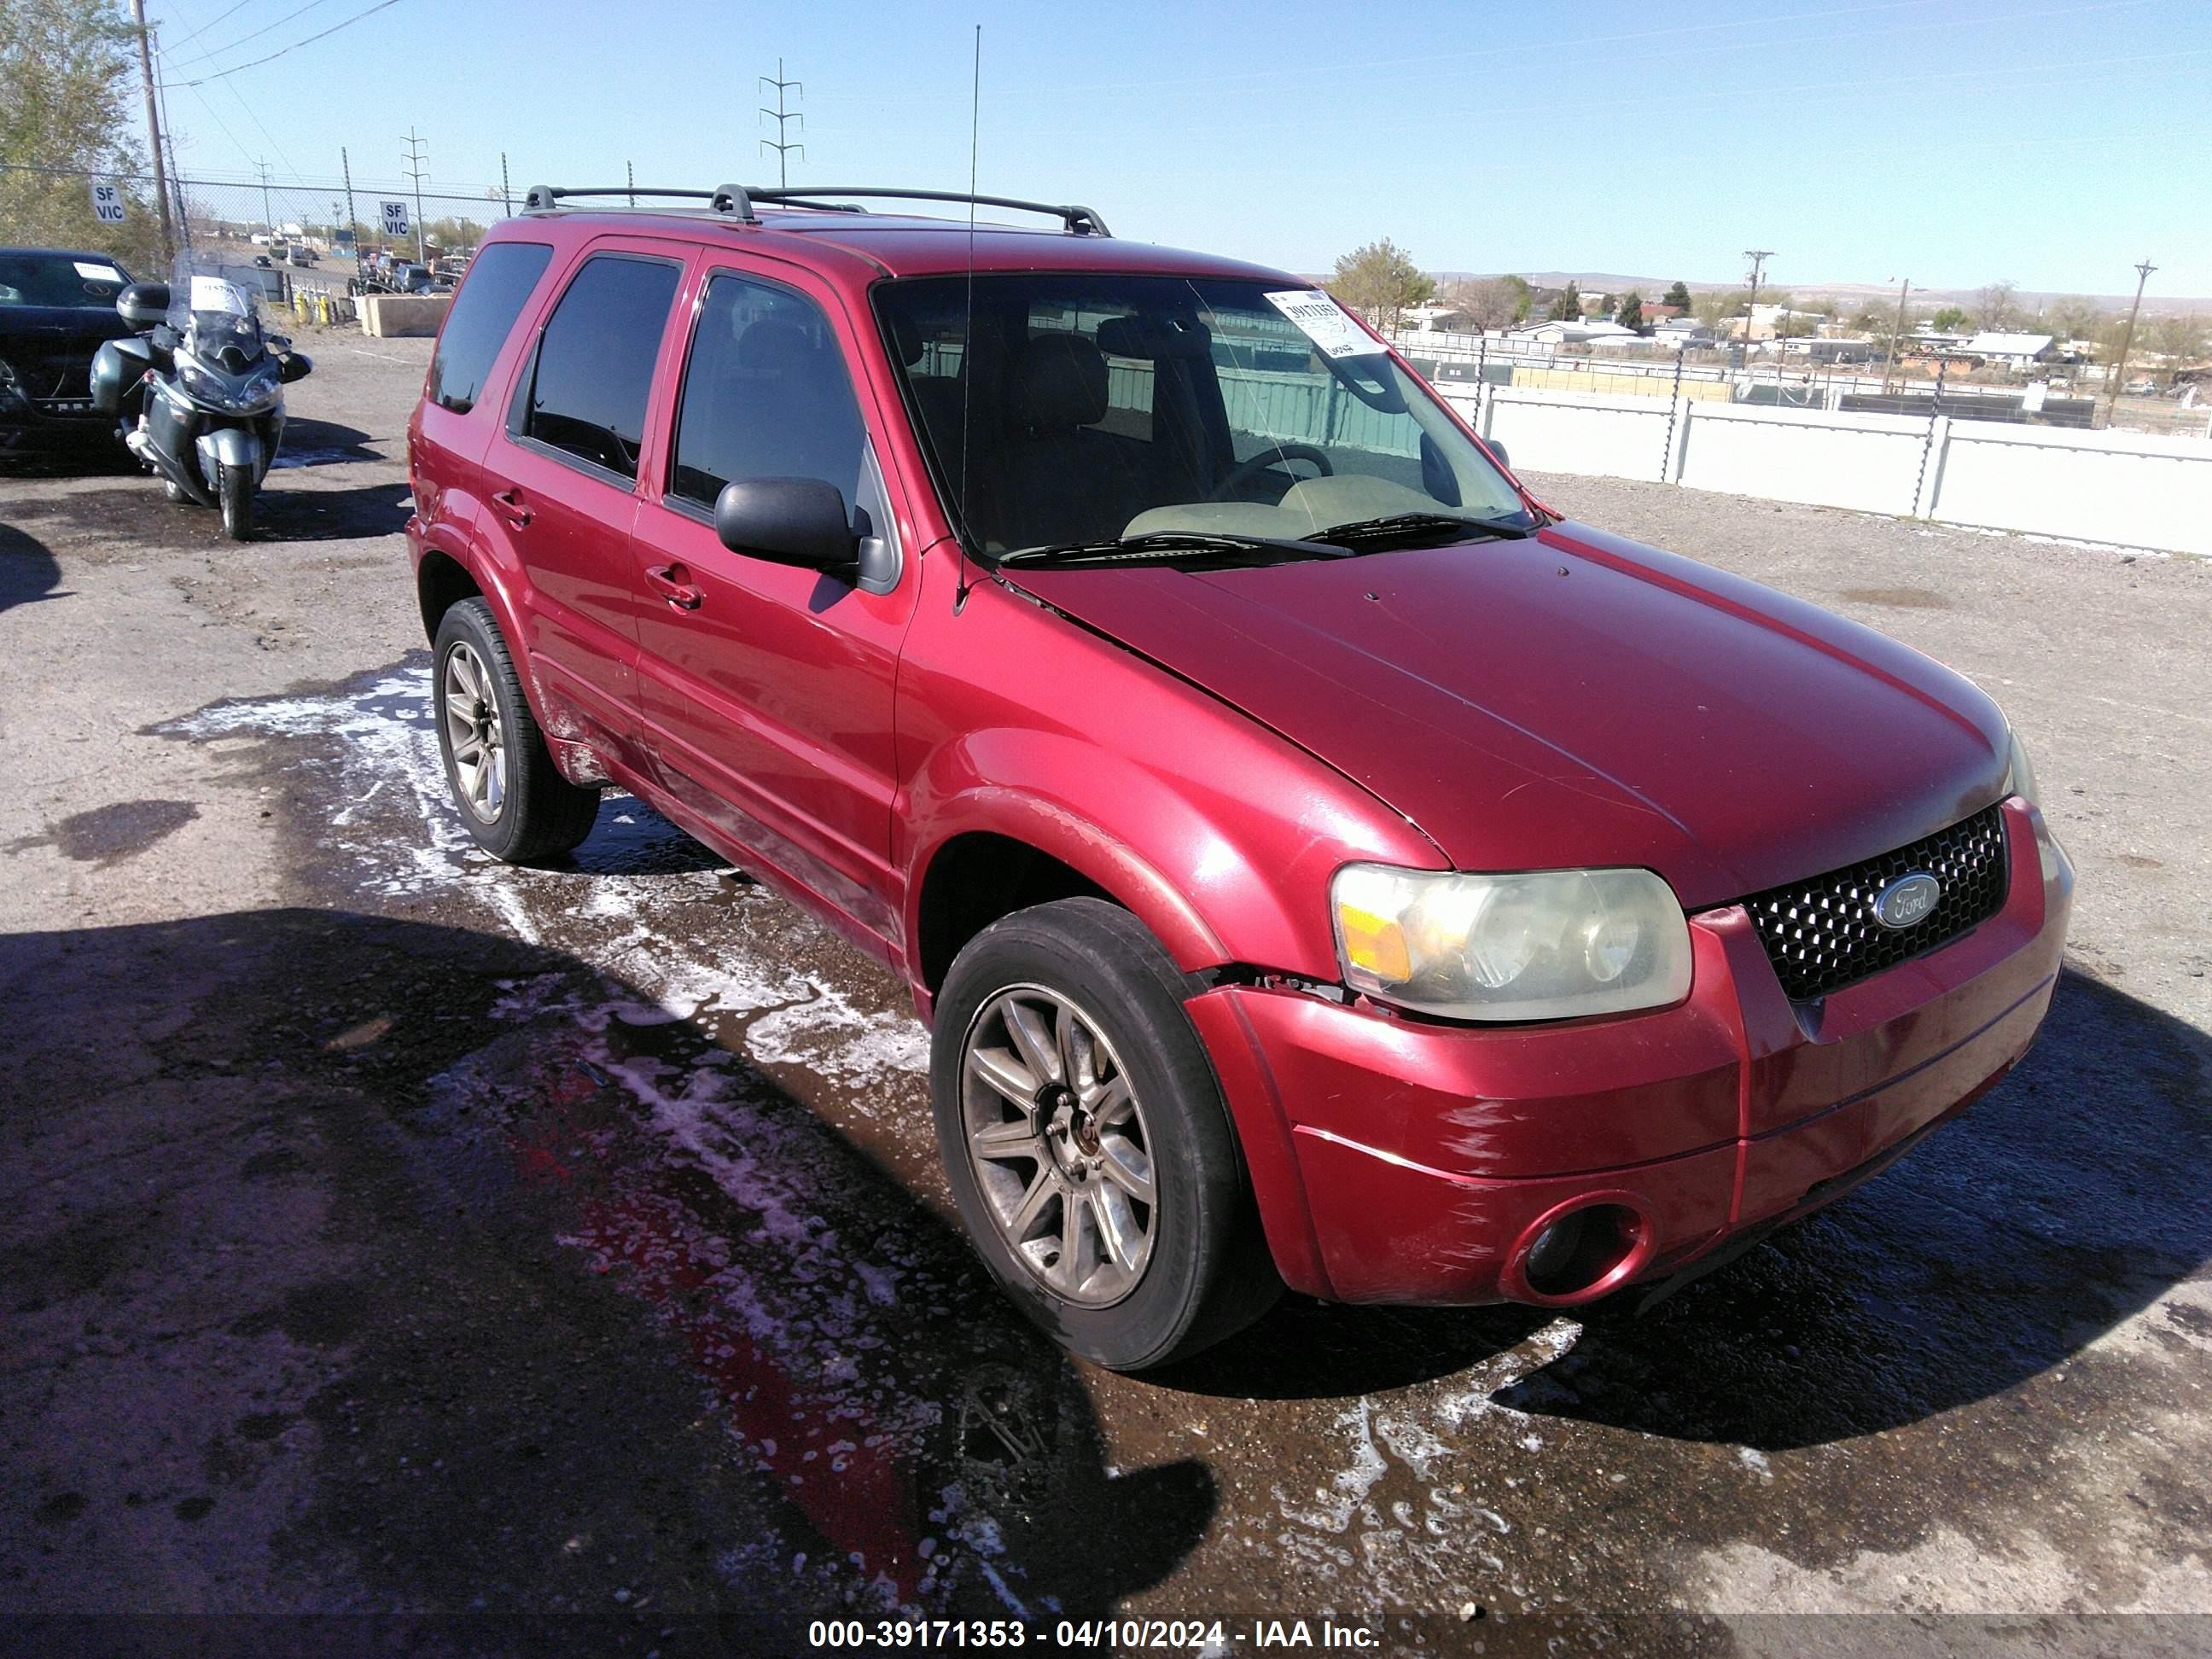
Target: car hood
{"points": [[1575, 699], [88, 324]]}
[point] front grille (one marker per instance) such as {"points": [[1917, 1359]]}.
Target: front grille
{"points": [[1821, 935]]}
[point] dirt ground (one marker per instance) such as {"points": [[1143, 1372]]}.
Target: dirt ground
{"points": [[389, 1234]]}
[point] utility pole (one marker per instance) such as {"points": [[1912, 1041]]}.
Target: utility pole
{"points": [[268, 223], [2127, 341], [1889, 362], [1759, 256], [506, 196], [415, 172], [353, 223], [629, 175], [154, 128], [783, 118]]}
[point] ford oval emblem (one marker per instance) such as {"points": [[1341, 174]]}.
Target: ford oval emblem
{"points": [[1907, 901]]}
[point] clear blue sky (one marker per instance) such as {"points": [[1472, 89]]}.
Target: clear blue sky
{"points": [[2053, 143]]}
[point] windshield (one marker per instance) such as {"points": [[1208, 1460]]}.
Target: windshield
{"points": [[215, 320], [1103, 406], [60, 279]]}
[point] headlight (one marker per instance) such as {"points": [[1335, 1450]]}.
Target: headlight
{"points": [[1547, 945], [2019, 776], [202, 383]]}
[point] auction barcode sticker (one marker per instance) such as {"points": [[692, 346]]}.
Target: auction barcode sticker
{"points": [[1321, 319]]}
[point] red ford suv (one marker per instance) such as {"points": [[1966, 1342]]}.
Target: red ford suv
{"points": [[1321, 863]]}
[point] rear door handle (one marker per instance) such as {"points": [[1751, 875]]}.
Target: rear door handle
{"points": [[509, 503], [667, 580]]}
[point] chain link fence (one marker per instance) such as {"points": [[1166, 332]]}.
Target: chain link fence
{"points": [[309, 226], [1845, 376]]}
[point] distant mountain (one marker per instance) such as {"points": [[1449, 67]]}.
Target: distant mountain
{"points": [[1651, 288]]}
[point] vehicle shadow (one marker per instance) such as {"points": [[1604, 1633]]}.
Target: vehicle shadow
{"points": [[310, 442], [92, 459], [327, 515], [28, 570], [2066, 1199], [504, 1227]]}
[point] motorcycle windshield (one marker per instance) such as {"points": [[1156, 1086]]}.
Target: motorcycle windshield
{"points": [[215, 320]]}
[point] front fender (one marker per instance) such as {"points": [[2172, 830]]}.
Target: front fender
{"points": [[1219, 877], [234, 446]]}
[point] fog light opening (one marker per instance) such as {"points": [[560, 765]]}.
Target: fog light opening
{"points": [[1580, 1250]]}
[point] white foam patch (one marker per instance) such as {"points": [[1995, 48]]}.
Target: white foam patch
{"points": [[398, 826], [1407, 1518]]}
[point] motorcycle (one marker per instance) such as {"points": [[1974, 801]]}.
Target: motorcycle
{"points": [[198, 390]]}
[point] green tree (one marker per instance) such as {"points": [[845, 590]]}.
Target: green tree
{"points": [[1379, 281], [68, 77], [1950, 320], [1678, 296], [1568, 307], [1630, 313]]}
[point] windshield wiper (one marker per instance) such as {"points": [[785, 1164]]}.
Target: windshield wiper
{"points": [[1412, 529], [1156, 545]]}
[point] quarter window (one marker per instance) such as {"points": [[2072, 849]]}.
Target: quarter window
{"points": [[766, 396], [500, 281], [595, 361]]}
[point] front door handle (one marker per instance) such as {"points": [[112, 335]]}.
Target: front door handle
{"points": [[509, 503], [668, 581]]}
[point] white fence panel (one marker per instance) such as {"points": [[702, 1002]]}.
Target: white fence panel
{"points": [[2092, 486], [1612, 437], [1869, 462]]}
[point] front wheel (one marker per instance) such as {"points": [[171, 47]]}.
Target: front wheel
{"points": [[234, 489], [1086, 1140]]}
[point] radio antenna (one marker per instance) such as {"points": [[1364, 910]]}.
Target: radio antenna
{"points": [[967, 338]]}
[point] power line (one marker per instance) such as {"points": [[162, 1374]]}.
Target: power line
{"points": [[211, 23], [232, 45], [235, 68]]}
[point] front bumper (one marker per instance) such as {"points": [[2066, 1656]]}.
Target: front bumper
{"points": [[1399, 1160]]}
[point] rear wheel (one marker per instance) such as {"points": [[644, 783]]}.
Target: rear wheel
{"points": [[234, 489], [1086, 1141], [513, 797]]}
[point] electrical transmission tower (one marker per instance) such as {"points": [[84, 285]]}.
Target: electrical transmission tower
{"points": [[783, 117], [415, 172]]}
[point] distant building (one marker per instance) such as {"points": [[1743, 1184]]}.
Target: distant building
{"points": [[2011, 351], [1582, 332]]}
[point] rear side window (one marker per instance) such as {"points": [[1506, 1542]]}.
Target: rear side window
{"points": [[766, 396], [595, 361], [499, 285]]}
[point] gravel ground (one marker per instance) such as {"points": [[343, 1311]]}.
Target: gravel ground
{"points": [[385, 1233]]}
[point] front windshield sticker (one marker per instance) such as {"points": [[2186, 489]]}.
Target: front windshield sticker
{"points": [[213, 294], [1322, 320], [97, 273]]}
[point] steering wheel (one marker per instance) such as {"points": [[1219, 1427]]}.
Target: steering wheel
{"points": [[1244, 471]]}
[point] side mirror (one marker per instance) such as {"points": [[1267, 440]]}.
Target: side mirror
{"points": [[799, 521], [1497, 449], [294, 366], [143, 304]]}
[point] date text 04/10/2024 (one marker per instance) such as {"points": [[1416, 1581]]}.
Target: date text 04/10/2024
{"points": [[1088, 1635]]}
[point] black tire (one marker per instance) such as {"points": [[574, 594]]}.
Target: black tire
{"points": [[1208, 1272], [234, 489], [538, 813]]}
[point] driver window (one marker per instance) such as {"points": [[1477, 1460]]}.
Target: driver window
{"points": [[766, 395]]}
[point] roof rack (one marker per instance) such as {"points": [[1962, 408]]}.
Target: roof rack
{"points": [[737, 200]]}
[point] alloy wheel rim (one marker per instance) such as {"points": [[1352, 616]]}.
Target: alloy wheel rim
{"points": [[474, 734], [1057, 1142]]}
